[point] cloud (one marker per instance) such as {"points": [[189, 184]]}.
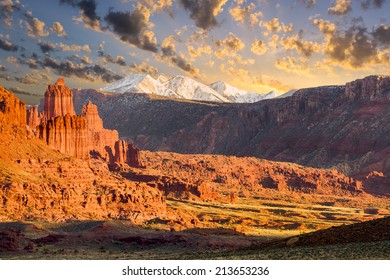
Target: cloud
{"points": [[107, 58], [275, 26], [309, 3], [18, 90], [229, 46], [270, 82], [169, 54], [34, 26], [356, 47], [59, 29], [305, 48], [258, 47], [33, 79], [7, 8], [291, 64], [144, 68], [87, 12], [376, 4], [382, 35], [199, 51], [8, 46], [47, 47], [159, 5], [245, 14], [86, 60], [132, 27], [74, 48], [340, 7], [273, 42], [325, 26], [204, 12]]}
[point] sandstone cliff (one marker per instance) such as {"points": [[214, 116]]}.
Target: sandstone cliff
{"points": [[58, 100], [33, 117], [100, 140], [67, 134], [12, 110]]}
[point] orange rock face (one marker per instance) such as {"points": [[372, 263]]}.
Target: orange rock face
{"points": [[126, 153], [58, 100], [100, 140], [67, 134], [12, 110], [33, 119]]}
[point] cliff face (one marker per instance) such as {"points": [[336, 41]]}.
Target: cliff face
{"points": [[12, 110], [100, 140], [67, 134], [78, 136], [58, 100], [33, 118], [345, 127]]}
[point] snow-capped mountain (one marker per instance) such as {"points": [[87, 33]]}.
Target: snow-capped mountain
{"points": [[237, 95], [188, 88], [139, 83]]}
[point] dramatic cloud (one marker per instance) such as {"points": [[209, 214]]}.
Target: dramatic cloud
{"points": [[305, 48], [340, 7], [35, 27], [8, 46], [367, 4], [204, 12], [309, 3], [275, 26], [229, 46], [356, 47], [382, 35], [47, 47], [258, 47], [245, 14], [325, 26], [7, 8], [199, 51], [133, 27], [120, 60], [33, 79], [59, 29], [144, 68], [87, 12]]}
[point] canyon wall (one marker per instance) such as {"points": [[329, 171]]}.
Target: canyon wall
{"points": [[343, 127], [12, 110]]}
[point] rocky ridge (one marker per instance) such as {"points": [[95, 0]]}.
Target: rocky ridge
{"points": [[343, 127]]}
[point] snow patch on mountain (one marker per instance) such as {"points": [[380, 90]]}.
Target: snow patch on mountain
{"points": [[139, 83]]}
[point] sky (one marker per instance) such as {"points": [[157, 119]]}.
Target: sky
{"points": [[258, 45]]}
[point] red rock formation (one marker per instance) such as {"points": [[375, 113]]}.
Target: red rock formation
{"points": [[58, 100], [68, 134], [126, 153], [99, 139], [33, 119], [12, 110]]}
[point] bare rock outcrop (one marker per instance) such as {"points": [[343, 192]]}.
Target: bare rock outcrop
{"points": [[33, 117], [100, 140], [58, 100], [67, 134], [12, 110], [126, 153]]}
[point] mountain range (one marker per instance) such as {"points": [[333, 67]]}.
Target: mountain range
{"points": [[183, 87]]}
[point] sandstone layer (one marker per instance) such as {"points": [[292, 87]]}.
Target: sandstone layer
{"points": [[58, 100]]}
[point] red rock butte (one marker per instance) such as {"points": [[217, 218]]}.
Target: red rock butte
{"points": [[78, 136]]}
